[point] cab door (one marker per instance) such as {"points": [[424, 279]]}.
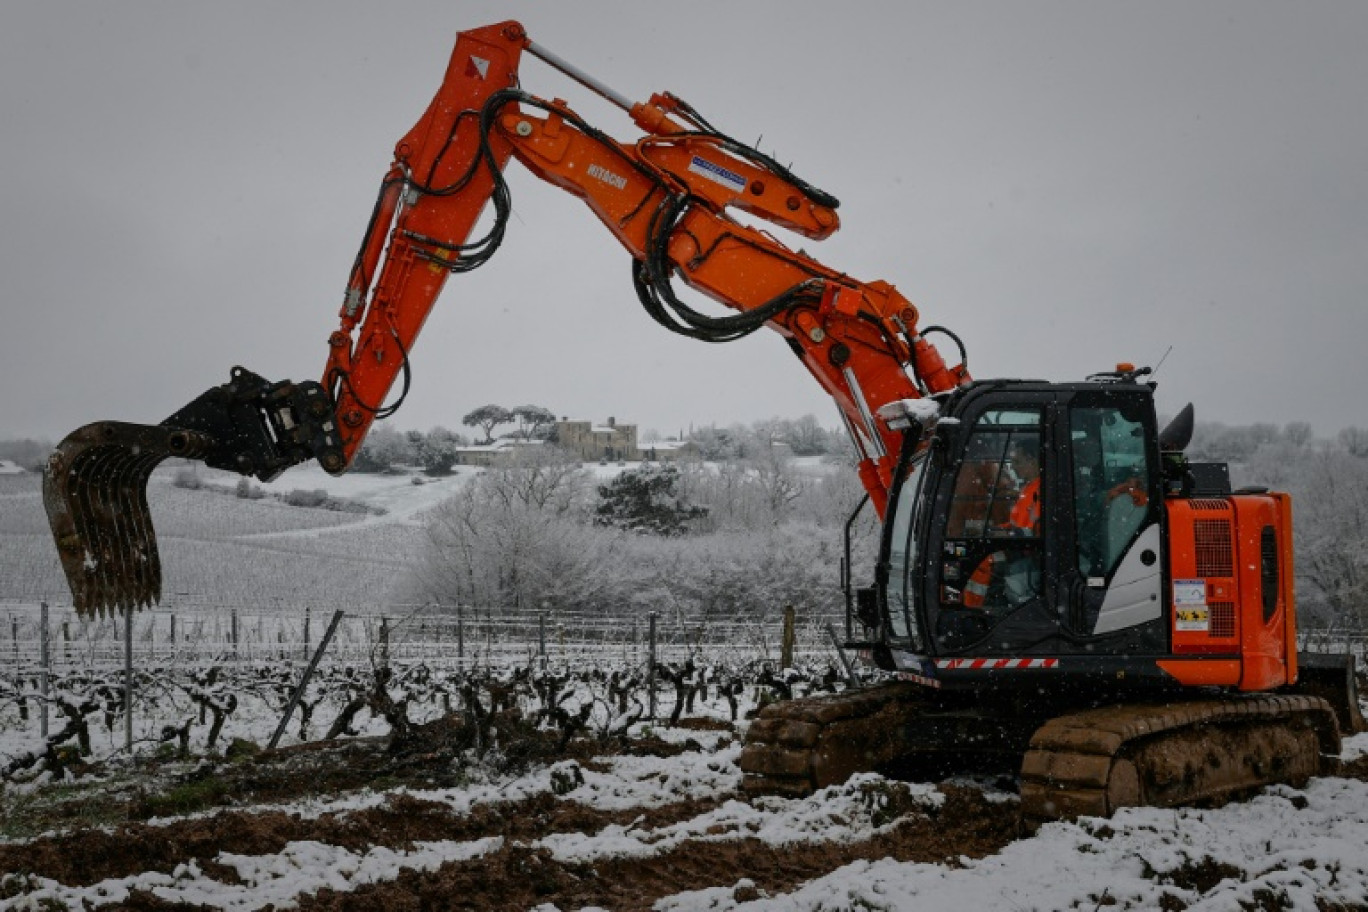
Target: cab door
{"points": [[988, 587], [1112, 566]]}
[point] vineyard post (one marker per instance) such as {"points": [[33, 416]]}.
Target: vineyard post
{"points": [[45, 665], [384, 642], [786, 649], [308, 622], [233, 633], [14, 635], [651, 665], [128, 679], [541, 639], [460, 638], [304, 680], [66, 642]]}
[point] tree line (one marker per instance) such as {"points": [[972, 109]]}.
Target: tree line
{"points": [[1328, 482], [749, 530]]}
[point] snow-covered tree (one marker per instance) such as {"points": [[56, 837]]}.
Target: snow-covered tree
{"points": [[384, 448], [436, 451], [533, 420], [487, 418], [1331, 527], [518, 535], [646, 500]]}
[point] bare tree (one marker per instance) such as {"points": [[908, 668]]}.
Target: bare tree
{"points": [[1355, 441], [1332, 531], [1298, 433], [520, 535]]}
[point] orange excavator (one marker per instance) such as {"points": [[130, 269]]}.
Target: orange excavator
{"points": [[1056, 584]]}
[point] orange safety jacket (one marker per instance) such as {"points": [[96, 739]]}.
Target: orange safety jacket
{"points": [[1025, 515]]}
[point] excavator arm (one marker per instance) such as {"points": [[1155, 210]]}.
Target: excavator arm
{"points": [[667, 197]]}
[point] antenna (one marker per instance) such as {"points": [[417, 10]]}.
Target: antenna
{"points": [[1167, 352]]}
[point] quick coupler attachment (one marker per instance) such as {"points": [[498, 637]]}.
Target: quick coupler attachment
{"points": [[95, 484]]}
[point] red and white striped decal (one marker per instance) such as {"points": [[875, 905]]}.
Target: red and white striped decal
{"points": [[991, 664]]}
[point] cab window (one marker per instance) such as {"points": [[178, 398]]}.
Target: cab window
{"points": [[992, 561], [997, 489], [1111, 485]]}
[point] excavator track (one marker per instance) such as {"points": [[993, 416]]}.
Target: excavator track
{"points": [[1164, 755], [795, 747], [1089, 762]]}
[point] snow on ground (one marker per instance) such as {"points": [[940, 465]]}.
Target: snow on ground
{"points": [[1290, 843], [396, 494], [276, 880], [840, 813], [1354, 746], [1297, 844], [629, 782]]}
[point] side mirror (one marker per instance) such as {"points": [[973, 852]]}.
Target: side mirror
{"points": [[1176, 436]]}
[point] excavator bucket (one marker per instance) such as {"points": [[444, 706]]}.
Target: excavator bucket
{"points": [[95, 483], [95, 492]]}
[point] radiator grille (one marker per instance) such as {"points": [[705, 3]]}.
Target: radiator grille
{"points": [[1222, 619], [1215, 555]]}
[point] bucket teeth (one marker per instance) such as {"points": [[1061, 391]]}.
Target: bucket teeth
{"points": [[95, 493]]}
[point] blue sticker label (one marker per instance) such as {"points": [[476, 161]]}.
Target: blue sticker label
{"points": [[716, 172]]}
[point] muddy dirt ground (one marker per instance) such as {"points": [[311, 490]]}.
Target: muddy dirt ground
{"points": [[222, 804], [223, 807]]}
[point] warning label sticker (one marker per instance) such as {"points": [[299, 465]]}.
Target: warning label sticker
{"points": [[1190, 605], [1189, 592], [1192, 619]]}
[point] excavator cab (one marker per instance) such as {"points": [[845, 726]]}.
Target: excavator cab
{"points": [[1030, 524], [1033, 526]]}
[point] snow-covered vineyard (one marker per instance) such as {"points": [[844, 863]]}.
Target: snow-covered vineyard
{"points": [[444, 756]]}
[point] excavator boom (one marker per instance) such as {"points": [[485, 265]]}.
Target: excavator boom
{"points": [[667, 198]]}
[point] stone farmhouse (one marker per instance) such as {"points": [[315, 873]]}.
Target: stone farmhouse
{"points": [[589, 442], [611, 442]]}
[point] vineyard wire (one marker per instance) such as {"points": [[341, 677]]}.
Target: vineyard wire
{"points": [[441, 636]]}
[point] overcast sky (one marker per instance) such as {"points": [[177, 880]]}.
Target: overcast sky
{"points": [[183, 187]]}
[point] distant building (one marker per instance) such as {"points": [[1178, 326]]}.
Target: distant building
{"points": [[670, 451], [10, 468], [499, 452], [611, 442], [585, 441]]}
